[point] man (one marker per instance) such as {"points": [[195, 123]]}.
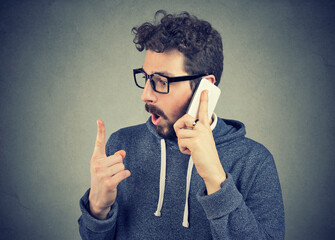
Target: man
{"points": [[144, 185]]}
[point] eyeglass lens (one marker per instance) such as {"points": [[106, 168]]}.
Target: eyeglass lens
{"points": [[158, 83]]}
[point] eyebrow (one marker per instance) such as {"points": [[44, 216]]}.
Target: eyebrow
{"points": [[161, 73]]}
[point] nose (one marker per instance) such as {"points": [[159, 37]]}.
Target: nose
{"points": [[148, 94]]}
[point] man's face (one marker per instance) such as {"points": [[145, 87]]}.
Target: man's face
{"points": [[166, 109]]}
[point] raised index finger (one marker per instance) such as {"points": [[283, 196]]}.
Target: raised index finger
{"points": [[203, 108], [99, 148]]}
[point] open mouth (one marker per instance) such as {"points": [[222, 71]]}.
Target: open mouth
{"points": [[156, 114], [155, 118]]}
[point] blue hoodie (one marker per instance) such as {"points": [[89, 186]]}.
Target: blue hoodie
{"points": [[249, 204]]}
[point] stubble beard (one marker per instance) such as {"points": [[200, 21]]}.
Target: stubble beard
{"points": [[167, 131]]}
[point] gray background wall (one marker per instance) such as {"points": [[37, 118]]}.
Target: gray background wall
{"points": [[64, 64]]}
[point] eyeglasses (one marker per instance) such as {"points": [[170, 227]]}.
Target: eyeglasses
{"points": [[159, 82]]}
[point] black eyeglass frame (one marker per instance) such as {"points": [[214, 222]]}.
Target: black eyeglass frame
{"points": [[169, 79]]}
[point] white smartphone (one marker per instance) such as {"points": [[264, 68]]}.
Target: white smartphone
{"points": [[213, 97]]}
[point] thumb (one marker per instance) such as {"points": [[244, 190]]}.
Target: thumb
{"points": [[99, 148]]}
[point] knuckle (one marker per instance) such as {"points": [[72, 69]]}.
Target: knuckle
{"points": [[119, 168], [116, 158], [110, 158], [95, 163], [99, 174], [95, 170], [175, 125], [110, 183], [98, 143], [124, 174]]}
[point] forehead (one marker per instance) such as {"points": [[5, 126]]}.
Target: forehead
{"points": [[170, 63]]}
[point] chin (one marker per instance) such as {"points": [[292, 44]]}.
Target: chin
{"points": [[166, 132]]}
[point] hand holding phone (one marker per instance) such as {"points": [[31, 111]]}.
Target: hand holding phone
{"points": [[198, 141]]}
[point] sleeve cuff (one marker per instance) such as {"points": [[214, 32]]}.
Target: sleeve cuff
{"points": [[93, 224], [222, 202]]}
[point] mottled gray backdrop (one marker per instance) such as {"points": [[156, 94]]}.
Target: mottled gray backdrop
{"points": [[64, 64]]}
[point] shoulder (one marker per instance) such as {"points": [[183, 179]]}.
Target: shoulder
{"points": [[238, 151], [256, 149], [231, 136]]}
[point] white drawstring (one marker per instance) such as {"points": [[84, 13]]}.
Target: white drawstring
{"points": [[162, 184], [162, 179], [188, 180], [188, 183]]}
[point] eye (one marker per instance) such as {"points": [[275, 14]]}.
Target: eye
{"points": [[163, 83], [160, 80]]}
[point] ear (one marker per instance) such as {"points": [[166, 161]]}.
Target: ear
{"points": [[210, 78]]}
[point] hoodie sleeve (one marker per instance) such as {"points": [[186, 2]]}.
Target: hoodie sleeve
{"points": [[92, 228], [259, 215]]}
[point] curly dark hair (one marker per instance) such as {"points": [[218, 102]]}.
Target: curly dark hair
{"points": [[200, 44]]}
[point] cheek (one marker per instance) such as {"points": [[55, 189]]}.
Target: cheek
{"points": [[174, 102], [177, 106]]}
